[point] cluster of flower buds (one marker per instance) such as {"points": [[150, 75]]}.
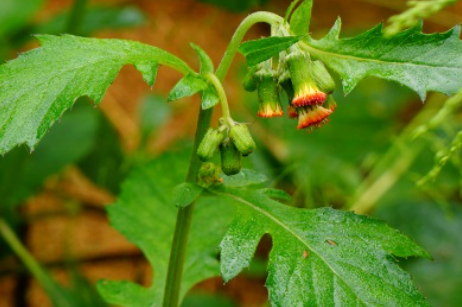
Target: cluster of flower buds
{"points": [[307, 83], [237, 143]]}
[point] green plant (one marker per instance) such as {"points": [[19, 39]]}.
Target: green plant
{"points": [[320, 256]]}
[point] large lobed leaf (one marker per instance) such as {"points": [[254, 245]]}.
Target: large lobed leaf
{"points": [[37, 87], [320, 257], [145, 214], [422, 62]]}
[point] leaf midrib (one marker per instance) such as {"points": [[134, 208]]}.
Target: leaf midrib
{"points": [[363, 59], [286, 228]]}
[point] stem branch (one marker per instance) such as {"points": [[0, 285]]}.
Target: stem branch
{"points": [[221, 94], [184, 216]]}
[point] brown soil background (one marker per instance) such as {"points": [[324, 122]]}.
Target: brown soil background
{"points": [[56, 233]]}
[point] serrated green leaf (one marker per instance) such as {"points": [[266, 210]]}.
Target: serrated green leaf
{"points": [[189, 85], [259, 50], [320, 257], [185, 193], [206, 62], [145, 214], [37, 87], [422, 62], [209, 98], [244, 178], [301, 18]]}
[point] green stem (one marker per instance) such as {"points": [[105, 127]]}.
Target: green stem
{"points": [[184, 216], [222, 95], [32, 265], [76, 16]]}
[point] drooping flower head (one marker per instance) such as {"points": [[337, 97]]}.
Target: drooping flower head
{"points": [[268, 95], [310, 117], [306, 91]]}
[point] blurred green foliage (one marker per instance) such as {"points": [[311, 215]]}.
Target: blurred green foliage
{"points": [[236, 5]]}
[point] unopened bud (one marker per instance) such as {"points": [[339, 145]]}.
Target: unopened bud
{"points": [[268, 94], [306, 90], [241, 137], [322, 77], [210, 144], [230, 158]]}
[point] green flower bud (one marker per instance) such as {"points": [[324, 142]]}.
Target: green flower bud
{"points": [[241, 137], [210, 144], [250, 81], [208, 174], [322, 77], [230, 158], [268, 94]]}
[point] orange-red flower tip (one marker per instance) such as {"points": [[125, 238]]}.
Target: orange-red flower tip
{"points": [[268, 110], [292, 112], [309, 98], [313, 117]]}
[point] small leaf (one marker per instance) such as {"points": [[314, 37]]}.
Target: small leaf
{"points": [[259, 50], [209, 98], [301, 18], [187, 86], [320, 257], [206, 62], [244, 178], [290, 9], [185, 193], [422, 62]]}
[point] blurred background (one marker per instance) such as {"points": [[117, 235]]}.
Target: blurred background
{"points": [[365, 159]]}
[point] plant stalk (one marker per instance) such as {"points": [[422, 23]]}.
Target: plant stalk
{"points": [[31, 264], [184, 215]]}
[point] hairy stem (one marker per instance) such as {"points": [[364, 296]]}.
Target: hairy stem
{"points": [[76, 16], [184, 216], [32, 265]]}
